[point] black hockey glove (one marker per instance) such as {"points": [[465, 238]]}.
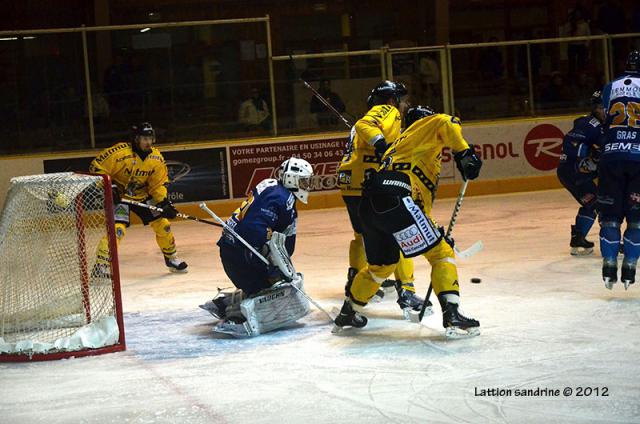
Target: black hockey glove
{"points": [[115, 194], [168, 210], [450, 241], [468, 163], [381, 147]]}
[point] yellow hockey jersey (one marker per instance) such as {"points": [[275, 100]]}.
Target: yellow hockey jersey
{"points": [[380, 121], [136, 179], [418, 153]]}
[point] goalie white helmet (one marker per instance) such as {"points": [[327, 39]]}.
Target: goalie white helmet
{"points": [[295, 174]]}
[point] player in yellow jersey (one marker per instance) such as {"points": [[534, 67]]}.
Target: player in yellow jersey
{"points": [[138, 172], [367, 143], [395, 212]]}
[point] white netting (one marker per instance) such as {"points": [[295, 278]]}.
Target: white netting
{"points": [[51, 299]]}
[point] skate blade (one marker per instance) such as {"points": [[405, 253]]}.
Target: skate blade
{"points": [[178, 271], [204, 308], [581, 251], [627, 283], [461, 333], [412, 315], [346, 329], [237, 330], [608, 283]]}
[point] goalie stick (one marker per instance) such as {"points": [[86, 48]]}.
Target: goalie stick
{"points": [[160, 210], [231, 231]]}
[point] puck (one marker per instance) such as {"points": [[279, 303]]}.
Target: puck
{"points": [[476, 280]]}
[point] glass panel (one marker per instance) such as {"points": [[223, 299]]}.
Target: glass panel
{"points": [[569, 73], [490, 82], [42, 93], [421, 72], [345, 81], [620, 48], [189, 82]]}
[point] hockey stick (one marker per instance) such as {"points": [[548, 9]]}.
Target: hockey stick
{"points": [[475, 248], [160, 210], [322, 99], [231, 231]]}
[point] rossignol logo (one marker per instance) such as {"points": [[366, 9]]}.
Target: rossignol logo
{"points": [[324, 176], [543, 147]]}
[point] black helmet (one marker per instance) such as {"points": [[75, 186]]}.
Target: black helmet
{"points": [[415, 113], [384, 91], [143, 129], [596, 99], [633, 62]]}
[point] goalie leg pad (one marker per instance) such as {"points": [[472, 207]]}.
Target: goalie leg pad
{"points": [[279, 256], [269, 310]]}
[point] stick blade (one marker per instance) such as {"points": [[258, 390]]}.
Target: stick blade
{"points": [[471, 251]]}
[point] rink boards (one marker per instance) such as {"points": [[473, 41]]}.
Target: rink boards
{"points": [[518, 155]]}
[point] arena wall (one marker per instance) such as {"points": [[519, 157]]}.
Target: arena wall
{"points": [[518, 155]]}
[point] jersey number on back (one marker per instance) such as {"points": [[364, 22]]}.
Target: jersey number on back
{"points": [[622, 113]]}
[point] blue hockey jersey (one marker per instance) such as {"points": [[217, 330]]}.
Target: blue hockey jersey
{"points": [[269, 207], [621, 99], [585, 139]]}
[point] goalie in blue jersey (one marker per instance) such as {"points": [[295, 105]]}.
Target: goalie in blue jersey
{"points": [[265, 298]]}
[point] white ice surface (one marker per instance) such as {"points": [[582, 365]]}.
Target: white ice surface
{"points": [[547, 322]]}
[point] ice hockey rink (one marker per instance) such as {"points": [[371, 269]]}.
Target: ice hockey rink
{"points": [[547, 323]]}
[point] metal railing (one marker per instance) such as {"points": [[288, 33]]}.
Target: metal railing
{"points": [[186, 77]]}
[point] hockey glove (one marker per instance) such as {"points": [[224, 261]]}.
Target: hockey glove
{"points": [[450, 241], [468, 163], [381, 147], [115, 193], [168, 210]]}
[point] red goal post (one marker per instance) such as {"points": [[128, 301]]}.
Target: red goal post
{"points": [[57, 300]]}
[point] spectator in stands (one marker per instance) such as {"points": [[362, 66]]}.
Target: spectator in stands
{"points": [[578, 51], [430, 85], [254, 112], [324, 116]]}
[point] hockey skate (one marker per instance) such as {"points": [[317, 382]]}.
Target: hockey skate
{"points": [[456, 325], [215, 307], [236, 326], [348, 318], [580, 246], [175, 264], [411, 303], [351, 274], [387, 287], [627, 275], [609, 273], [222, 300]]}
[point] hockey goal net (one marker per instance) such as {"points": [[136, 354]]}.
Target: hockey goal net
{"points": [[56, 301]]}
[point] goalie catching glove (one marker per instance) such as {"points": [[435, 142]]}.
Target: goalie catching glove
{"points": [[468, 163], [279, 257], [168, 210]]}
